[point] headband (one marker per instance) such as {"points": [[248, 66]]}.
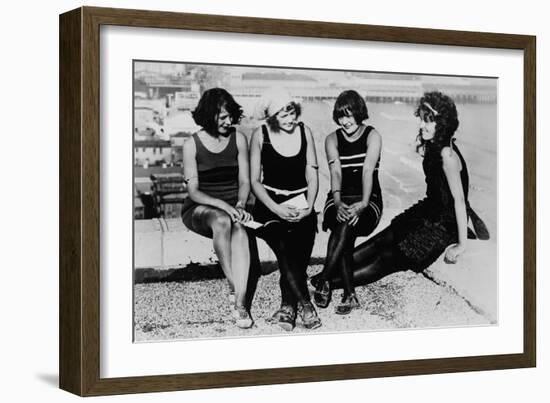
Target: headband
{"points": [[427, 105]]}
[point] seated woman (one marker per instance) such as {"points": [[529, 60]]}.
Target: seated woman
{"points": [[215, 163], [284, 152], [436, 224], [354, 203]]}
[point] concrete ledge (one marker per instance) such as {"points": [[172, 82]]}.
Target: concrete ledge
{"points": [[474, 277], [167, 244], [165, 250]]}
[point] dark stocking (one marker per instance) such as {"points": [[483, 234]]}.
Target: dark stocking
{"points": [[339, 256], [255, 269], [301, 240], [292, 246], [372, 260], [278, 241]]}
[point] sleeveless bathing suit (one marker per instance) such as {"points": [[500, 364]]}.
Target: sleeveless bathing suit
{"points": [[218, 174], [283, 177], [352, 156], [425, 230]]}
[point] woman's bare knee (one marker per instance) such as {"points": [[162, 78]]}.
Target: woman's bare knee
{"points": [[237, 229], [221, 222]]}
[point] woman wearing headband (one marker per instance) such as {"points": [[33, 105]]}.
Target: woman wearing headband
{"points": [[215, 163], [284, 178], [436, 224], [354, 203]]}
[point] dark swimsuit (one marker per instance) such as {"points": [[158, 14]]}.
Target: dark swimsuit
{"points": [[283, 177], [425, 230], [352, 156], [218, 175], [292, 242]]}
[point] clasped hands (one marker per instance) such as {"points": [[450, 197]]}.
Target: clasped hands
{"points": [[349, 213], [290, 213]]}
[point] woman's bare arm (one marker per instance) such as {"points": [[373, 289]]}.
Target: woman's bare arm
{"points": [[335, 169], [244, 169], [452, 167], [256, 170], [312, 170], [374, 148]]}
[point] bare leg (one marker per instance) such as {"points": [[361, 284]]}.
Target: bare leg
{"points": [[240, 261], [219, 224], [231, 246]]}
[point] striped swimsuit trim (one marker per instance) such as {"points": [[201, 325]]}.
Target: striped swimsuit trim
{"points": [[376, 209], [353, 161], [348, 157], [359, 164]]}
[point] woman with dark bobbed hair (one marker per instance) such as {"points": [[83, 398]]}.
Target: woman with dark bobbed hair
{"points": [[215, 163], [436, 224], [354, 203]]}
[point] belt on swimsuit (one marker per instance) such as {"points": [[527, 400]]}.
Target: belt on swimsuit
{"points": [[285, 192]]}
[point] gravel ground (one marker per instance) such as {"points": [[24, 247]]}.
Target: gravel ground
{"points": [[200, 309]]}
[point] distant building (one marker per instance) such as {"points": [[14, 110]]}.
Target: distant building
{"points": [[152, 152], [282, 79], [177, 146], [155, 68]]}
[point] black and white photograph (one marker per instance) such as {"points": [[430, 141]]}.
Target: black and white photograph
{"points": [[285, 201]]}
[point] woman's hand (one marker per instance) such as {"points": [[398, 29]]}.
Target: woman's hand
{"points": [[453, 252], [287, 213], [302, 213], [231, 211], [244, 216], [355, 211], [342, 211]]}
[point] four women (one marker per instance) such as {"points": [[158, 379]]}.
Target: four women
{"points": [[284, 178]]}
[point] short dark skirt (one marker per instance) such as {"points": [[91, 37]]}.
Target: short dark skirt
{"points": [[421, 237], [188, 211], [368, 220]]}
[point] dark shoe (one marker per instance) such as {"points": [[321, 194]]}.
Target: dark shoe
{"points": [[348, 304], [285, 317], [308, 315], [322, 294]]}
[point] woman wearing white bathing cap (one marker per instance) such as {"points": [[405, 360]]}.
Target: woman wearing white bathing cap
{"points": [[285, 182]]}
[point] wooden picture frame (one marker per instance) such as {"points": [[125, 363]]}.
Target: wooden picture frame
{"points": [[79, 279]]}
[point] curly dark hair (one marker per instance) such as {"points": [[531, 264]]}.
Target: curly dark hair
{"points": [[212, 101], [439, 108], [272, 121], [350, 103]]}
